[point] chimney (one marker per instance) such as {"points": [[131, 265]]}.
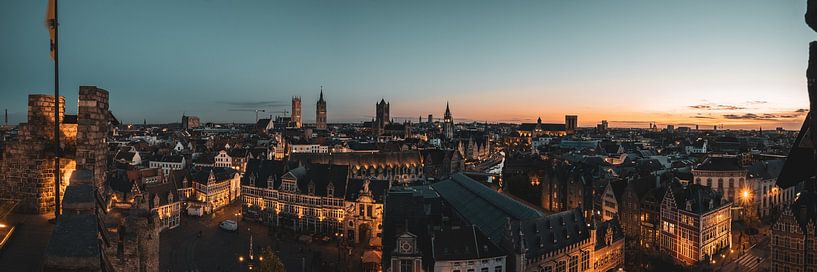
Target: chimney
{"points": [[6, 118]]}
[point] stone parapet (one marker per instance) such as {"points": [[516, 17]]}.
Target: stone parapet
{"points": [[74, 245]]}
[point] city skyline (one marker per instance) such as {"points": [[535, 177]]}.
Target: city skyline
{"points": [[679, 64]]}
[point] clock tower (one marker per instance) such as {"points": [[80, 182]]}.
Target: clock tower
{"points": [[406, 256]]}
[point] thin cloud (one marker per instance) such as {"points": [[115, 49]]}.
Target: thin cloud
{"points": [[767, 116], [253, 104], [755, 102], [716, 107]]}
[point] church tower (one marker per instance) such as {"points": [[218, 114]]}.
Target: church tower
{"points": [[382, 114], [448, 123], [320, 112], [296, 111]]}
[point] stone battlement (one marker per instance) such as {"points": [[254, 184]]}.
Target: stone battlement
{"points": [[27, 165]]}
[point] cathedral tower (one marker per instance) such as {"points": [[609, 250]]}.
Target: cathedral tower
{"points": [[296, 111], [320, 112]]}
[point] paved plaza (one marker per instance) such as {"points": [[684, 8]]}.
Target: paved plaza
{"points": [[217, 250]]}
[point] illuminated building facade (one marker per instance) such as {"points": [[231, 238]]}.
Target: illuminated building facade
{"points": [[696, 223], [315, 198], [403, 166], [788, 245], [207, 189], [539, 129], [725, 175]]}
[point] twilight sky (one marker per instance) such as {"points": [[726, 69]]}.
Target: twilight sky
{"points": [[740, 63]]}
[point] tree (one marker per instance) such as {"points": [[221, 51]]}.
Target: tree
{"points": [[269, 262]]}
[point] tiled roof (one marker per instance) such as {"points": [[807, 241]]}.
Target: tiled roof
{"points": [[553, 232], [482, 206], [260, 171], [467, 243], [602, 229], [720, 164]]}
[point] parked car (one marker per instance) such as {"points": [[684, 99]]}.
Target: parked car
{"points": [[228, 225], [252, 216]]}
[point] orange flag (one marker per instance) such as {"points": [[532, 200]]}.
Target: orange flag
{"points": [[51, 24]]}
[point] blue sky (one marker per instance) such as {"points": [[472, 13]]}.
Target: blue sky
{"points": [[739, 63]]}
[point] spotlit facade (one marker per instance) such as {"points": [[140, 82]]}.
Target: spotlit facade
{"points": [[696, 224]]}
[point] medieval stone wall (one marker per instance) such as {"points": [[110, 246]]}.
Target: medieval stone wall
{"points": [[92, 120], [27, 168], [27, 165]]}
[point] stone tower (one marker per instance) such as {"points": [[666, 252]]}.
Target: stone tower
{"points": [[27, 164], [296, 111], [142, 233], [448, 123], [320, 112], [571, 122], [382, 114], [92, 128]]}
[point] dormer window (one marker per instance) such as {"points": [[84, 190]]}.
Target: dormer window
{"points": [[330, 190], [311, 188]]}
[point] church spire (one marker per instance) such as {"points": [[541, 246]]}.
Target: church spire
{"points": [[321, 98]]}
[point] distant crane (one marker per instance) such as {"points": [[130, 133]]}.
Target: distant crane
{"points": [[256, 112]]}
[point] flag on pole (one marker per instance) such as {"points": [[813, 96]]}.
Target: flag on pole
{"points": [[51, 24]]}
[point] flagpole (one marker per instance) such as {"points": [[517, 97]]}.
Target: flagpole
{"points": [[56, 115]]}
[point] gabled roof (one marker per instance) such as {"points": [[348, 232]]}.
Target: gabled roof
{"points": [[641, 186], [553, 127], [163, 190], [171, 158], [766, 169], [262, 124], [720, 164], [601, 230], [361, 159], [482, 206], [202, 174], [553, 232], [468, 243], [527, 126], [437, 156], [321, 176], [258, 172], [125, 156], [698, 196], [238, 153]]}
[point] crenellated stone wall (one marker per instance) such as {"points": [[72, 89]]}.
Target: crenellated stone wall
{"points": [[27, 165], [92, 128], [27, 168]]}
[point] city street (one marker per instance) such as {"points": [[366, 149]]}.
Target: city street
{"points": [[753, 260], [220, 250]]}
